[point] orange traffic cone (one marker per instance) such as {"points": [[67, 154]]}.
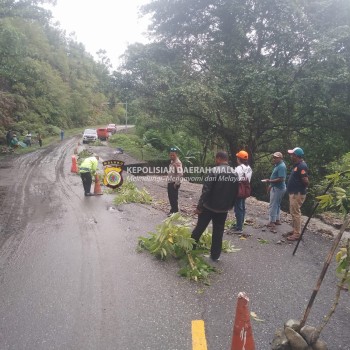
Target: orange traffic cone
{"points": [[242, 338], [97, 189], [74, 168]]}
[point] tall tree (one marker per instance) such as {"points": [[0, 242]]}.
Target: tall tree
{"points": [[243, 69]]}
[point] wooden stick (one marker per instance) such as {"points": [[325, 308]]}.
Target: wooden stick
{"points": [[325, 267]]}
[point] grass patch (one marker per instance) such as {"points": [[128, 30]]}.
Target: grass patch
{"points": [[134, 146]]}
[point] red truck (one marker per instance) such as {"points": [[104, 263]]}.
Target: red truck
{"points": [[102, 134]]}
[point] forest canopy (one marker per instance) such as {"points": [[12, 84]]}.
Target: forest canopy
{"points": [[261, 75]]}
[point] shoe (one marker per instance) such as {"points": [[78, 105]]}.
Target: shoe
{"points": [[237, 232], [88, 194], [294, 237], [277, 222], [287, 234], [207, 256], [246, 235], [270, 225]]}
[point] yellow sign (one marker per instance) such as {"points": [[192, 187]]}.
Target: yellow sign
{"points": [[113, 173]]}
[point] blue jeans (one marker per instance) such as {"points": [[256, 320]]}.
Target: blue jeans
{"points": [[276, 196], [239, 213]]}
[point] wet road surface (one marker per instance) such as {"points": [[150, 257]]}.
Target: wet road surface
{"points": [[71, 278]]}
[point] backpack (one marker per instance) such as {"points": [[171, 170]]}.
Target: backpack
{"points": [[244, 188]]}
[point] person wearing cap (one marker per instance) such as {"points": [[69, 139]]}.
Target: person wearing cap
{"points": [[175, 175], [217, 198], [296, 187], [14, 141], [244, 171], [277, 189], [87, 169]]}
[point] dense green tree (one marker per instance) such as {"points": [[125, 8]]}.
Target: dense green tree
{"points": [[255, 74], [47, 78]]}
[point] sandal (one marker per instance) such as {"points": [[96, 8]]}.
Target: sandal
{"points": [[293, 238]]}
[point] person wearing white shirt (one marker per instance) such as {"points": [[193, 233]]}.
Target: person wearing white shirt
{"points": [[244, 171]]}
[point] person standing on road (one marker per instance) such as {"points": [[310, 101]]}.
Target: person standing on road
{"points": [[62, 134], [40, 139], [244, 171], [88, 169], [297, 186], [218, 197], [28, 139], [277, 189], [9, 136], [175, 175]]}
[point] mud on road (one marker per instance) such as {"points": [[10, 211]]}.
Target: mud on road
{"points": [[28, 186]]}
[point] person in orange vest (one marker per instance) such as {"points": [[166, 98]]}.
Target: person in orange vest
{"points": [[88, 169]]}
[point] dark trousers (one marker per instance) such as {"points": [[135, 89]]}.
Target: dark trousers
{"points": [[173, 195], [87, 181], [218, 220]]}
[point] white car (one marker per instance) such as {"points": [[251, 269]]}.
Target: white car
{"points": [[89, 135]]}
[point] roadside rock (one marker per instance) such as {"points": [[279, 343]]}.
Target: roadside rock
{"points": [[296, 341], [291, 339]]}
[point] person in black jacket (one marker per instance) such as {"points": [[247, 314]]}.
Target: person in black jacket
{"points": [[218, 197]]}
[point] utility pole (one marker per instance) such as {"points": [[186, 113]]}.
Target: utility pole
{"points": [[126, 112]]}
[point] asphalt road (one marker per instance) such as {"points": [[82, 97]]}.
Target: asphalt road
{"points": [[71, 278]]}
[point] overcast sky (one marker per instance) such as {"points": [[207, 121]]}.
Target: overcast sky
{"points": [[102, 24]]}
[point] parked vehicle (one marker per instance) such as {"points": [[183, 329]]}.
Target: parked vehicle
{"points": [[112, 128], [89, 135], [102, 134]]}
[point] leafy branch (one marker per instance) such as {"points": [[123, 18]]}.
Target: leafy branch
{"points": [[173, 239], [129, 193], [338, 196]]}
